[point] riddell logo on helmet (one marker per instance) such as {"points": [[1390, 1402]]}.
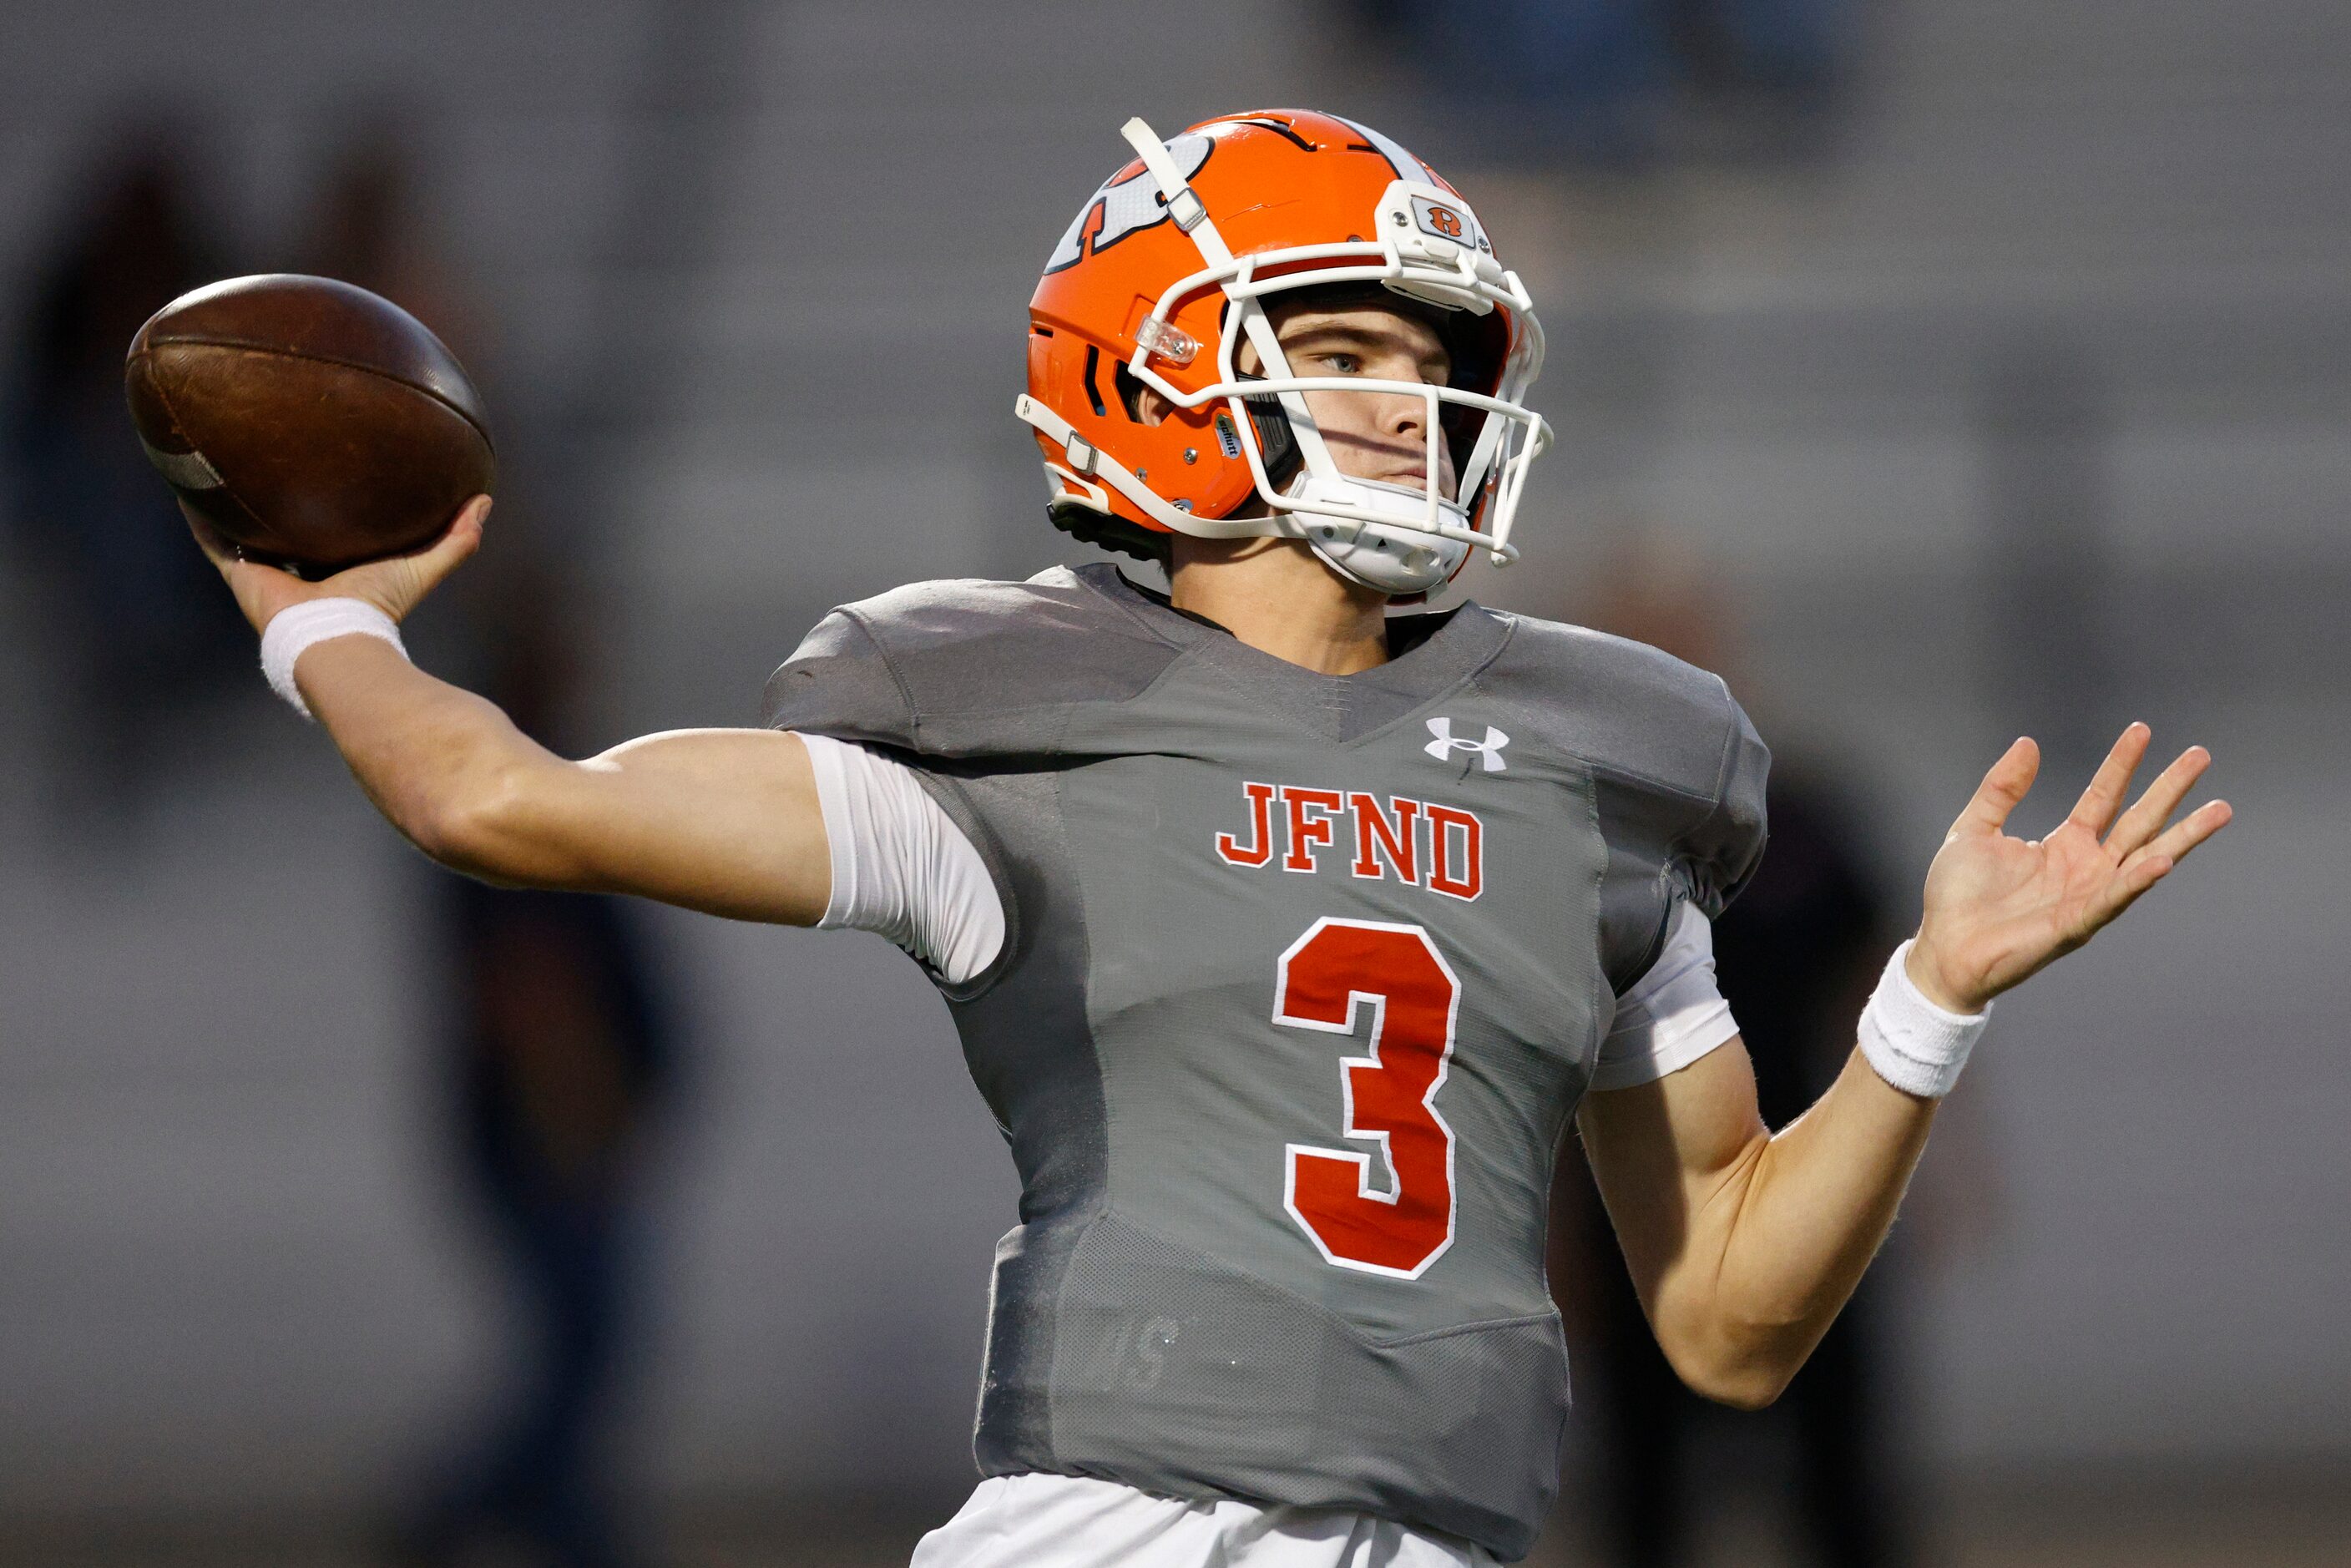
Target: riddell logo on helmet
{"points": [[1447, 221]]}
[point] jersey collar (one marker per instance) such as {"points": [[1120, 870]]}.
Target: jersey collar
{"points": [[1432, 654]]}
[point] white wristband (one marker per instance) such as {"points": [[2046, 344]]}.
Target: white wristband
{"points": [[297, 628], [1915, 1045]]}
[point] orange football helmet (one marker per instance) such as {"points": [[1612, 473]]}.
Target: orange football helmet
{"points": [[1167, 272]]}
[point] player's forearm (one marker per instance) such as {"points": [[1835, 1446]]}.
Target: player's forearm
{"points": [[446, 767], [1794, 1228]]}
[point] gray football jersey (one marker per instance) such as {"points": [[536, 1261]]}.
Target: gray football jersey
{"points": [[1303, 978]]}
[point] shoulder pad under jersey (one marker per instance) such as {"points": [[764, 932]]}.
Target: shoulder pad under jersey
{"points": [[966, 667], [1679, 771]]}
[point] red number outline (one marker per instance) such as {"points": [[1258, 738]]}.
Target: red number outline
{"points": [[1417, 1254]]}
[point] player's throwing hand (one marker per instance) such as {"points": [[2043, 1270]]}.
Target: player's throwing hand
{"points": [[1999, 909], [394, 585]]}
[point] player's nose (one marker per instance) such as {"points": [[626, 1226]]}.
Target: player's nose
{"points": [[1405, 424], [1403, 414]]}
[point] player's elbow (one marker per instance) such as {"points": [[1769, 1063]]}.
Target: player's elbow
{"points": [[1742, 1385], [1745, 1370], [481, 823], [459, 826]]}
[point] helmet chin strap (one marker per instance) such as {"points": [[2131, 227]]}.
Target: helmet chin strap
{"points": [[1396, 561]]}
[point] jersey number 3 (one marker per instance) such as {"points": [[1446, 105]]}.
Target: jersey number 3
{"points": [[1399, 1220]]}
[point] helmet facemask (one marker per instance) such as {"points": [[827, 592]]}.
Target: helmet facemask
{"points": [[1396, 538], [1380, 533]]}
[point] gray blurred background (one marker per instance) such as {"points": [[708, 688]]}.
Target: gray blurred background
{"points": [[1985, 368]]}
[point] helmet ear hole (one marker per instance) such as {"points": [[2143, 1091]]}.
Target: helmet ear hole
{"points": [[1275, 441], [1130, 391]]}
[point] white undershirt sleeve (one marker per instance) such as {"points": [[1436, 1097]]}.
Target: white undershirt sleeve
{"points": [[901, 866], [1673, 1015]]}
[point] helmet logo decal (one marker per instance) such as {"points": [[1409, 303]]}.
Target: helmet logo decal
{"points": [[1488, 750], [1407, 167], [1128, 206], [1445, 221], [1282, 129]]}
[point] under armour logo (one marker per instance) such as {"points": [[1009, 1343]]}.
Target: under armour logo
{"points": [[1488, 750]]}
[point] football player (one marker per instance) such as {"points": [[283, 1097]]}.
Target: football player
{"points": [[1285, 932]]}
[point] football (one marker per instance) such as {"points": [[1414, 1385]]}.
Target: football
{"points": [[315, 425]]}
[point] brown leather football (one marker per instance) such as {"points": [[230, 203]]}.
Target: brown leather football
{"points": [[314, 423]]}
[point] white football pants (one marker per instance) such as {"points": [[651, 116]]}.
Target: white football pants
{"points": [[1070, 1521]]}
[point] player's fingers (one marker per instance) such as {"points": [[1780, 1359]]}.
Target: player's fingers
{"points": [[452, 549], [2175, 843], [2151, 810], [2104, 798], [2124, 889], [209, 539], [260, 591], [397, 583], [2010, 779], [2129, 882]]}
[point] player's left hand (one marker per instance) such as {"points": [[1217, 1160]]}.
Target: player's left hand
{"points": [[2000, 908]]}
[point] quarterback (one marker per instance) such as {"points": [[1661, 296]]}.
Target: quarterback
{"points": [[1287, 922]]}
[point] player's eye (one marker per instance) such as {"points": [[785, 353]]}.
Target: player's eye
{"points": [[1343, 363]]}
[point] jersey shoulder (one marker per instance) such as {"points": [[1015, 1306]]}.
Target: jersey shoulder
{"points": [[1621, 707], [966, 667], [1678, 769]]}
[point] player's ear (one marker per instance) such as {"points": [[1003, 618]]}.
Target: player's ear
{"points": [[1151, 405]]}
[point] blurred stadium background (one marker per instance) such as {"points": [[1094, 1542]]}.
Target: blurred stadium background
{"points": [[1989, 366]]}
